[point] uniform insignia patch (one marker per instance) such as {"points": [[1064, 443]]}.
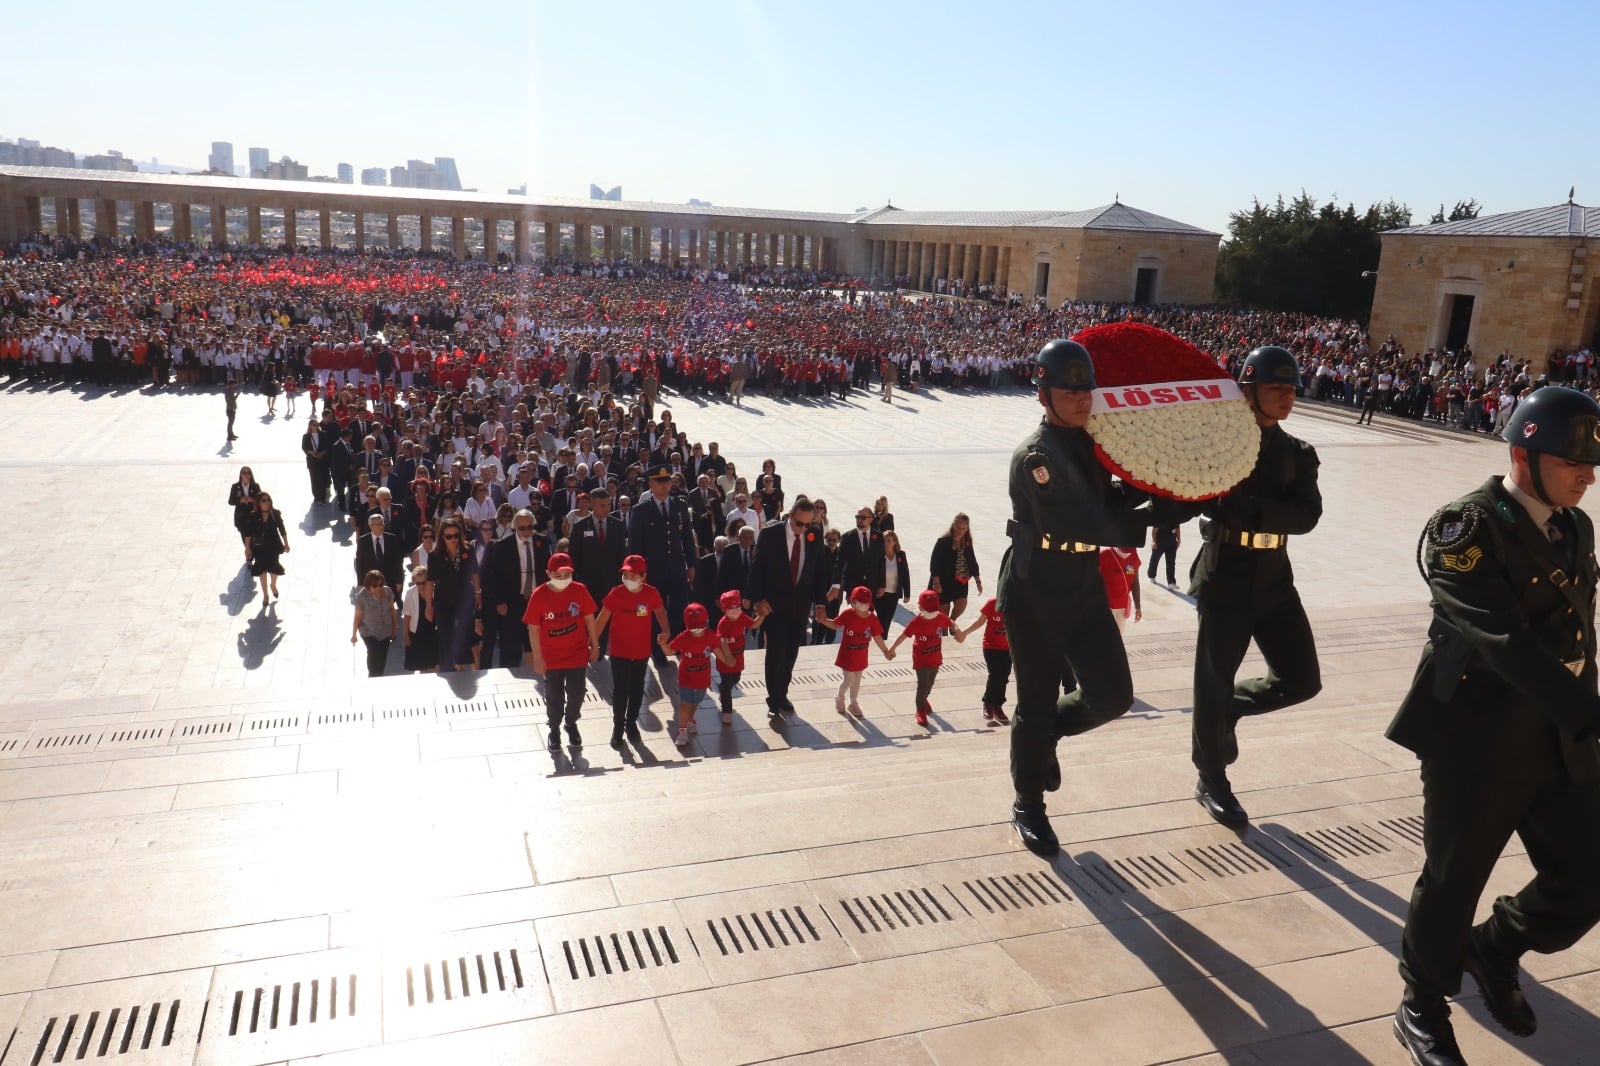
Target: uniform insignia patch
{"points": [[1041, 475], [1449, 532], [1529, 428], [1503, 509], [1463, 562]]}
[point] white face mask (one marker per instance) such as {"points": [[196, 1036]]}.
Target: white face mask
{"points": [[560, 583], [633, 584], [862, 608], [734, 613], [929, 615], [698, 631]]}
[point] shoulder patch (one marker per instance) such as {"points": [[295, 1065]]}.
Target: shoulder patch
{"points": [[1453, 526]]}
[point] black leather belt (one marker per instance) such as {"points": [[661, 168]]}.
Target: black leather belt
{"points": [[1046, 544]]}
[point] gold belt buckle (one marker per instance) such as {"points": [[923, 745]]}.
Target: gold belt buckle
{"points": [[1079, 546], [1044, 541], [1260, 540], [1576, 666]]}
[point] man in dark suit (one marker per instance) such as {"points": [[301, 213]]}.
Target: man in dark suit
{"points": [[516, 567], [705, 503], [598, 543], [661, 531], [381, 551], [786, 583], [705, 581], [856, 551], [1503, 712]]}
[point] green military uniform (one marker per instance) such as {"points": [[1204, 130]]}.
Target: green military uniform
{"points": [[1064, 506], [1503, 712], [1244, 589]]}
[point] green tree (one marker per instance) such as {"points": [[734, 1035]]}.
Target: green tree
{"points": [[1299, 256], [1464, 209]]}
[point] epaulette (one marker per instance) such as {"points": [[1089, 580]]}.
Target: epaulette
{"points": [[1454, 524]]}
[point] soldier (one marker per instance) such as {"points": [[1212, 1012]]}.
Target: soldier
{"points": [[1503, 712], [1244, 587], [660, 529], [1064, 507]]}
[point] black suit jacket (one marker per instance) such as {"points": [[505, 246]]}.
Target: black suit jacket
{"points": [[769, 578], [878, 570], [391, 564], [854, 566], [502, 577], [731, 571], [593, 565]]}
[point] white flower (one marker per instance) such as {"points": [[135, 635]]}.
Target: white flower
{"points": [[1191, 451]]}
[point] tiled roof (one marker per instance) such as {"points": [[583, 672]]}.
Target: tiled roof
{"points": [[1557, 220]]}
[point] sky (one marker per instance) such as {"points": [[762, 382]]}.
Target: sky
{"points": [[1186, 109]]}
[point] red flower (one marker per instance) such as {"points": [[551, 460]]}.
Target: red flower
{"points": [[1132, 353], [810, 537]]}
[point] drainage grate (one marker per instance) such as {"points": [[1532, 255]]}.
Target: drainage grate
{"points": [[1239, 857], [71, 740], [12, 745], [453, 709], [284, 1006], [274, 723], [597, 956], [404, 714], [520, 704], [1015, 892], [901, 909], [749, 933], [208, 729], [1407, 829], [134, 736], [1340, 842], [463, 977], [139, 1028], [1119, 876], [339, 718]]}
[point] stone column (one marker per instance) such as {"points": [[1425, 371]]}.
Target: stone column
{"points": [[914, 264], [491, 238], [252, 216], [219, 225], [458, 236], [691, 249], [361, 231], [519, 239], [33, 214], [552, 239], [1002, 274], [974, 252], [986, 264], [672, 246], [425, 236], [941, 261], [291, 221], [902, 257], [105, 218], [325, 228], [958, 261], [182, 223], [611, 239], [582, 239], [66, 216], [144, 219]]}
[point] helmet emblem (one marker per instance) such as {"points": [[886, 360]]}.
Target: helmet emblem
{"points": [[1529, 429], [1249, 370]]}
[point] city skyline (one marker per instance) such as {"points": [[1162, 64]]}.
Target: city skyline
{"points": [[1190, 112]]}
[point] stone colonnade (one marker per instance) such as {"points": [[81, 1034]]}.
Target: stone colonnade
{"points": [[924, 263]]}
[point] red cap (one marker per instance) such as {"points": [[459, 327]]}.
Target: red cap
{"points": [[559, 561], [694, 616], [928, 601], [730, 599], [861, 594], [633, 564]]}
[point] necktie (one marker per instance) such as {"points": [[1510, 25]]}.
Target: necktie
{"points": [[600, 534], [377, 544], [794, 561], [527, 567], [863, 544]]}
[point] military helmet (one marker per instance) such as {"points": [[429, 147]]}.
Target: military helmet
{"points": [[1557, 421], [1064, 364], [1270, 365]]}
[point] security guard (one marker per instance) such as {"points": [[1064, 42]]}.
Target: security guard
{"points": [[1064, 506], [1503, 712], [660, 529], [1244, 587]]}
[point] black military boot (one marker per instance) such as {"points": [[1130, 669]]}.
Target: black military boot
{"points": [[1052, 774], [1493, 964], [1033, 826], [1423, 1029], [1217, 797]]}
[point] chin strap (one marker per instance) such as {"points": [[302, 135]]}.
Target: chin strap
{"points": [[1536, 475]]}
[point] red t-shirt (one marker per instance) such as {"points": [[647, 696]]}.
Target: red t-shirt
{"points": [[927, 642], [694, 658], [1119, 572], [855, 637], [563, 633], [732, 632], [631, 616], [994, 630]]}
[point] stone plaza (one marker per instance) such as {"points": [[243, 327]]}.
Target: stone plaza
{"points": [[221, 843]]}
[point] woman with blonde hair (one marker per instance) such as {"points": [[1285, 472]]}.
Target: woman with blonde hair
{"points": [[953, 565]]}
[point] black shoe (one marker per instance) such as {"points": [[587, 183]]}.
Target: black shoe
{"points": [[1427, 1035], [555, 739], [632, 729], [574, 738], [1052, 774], [616, 738], [1220, 802], [1033, 827], [1497, 980]]}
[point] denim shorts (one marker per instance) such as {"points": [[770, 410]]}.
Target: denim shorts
{"points": [[691, 696]]}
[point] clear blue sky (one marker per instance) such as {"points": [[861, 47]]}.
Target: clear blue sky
{"points": [[1182, 108]]}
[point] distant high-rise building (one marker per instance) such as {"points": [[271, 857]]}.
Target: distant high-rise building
{"points": [[259, 161], [421, 174], [446, 166], [286, 169], [221, 157], [111, 160], [520, 190], [26, 152], [374, 176], [399, 178], [347, 173], [597, 193], [695, 201]]}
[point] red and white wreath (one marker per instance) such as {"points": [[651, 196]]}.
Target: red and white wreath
{"points": [[1166, 418]]}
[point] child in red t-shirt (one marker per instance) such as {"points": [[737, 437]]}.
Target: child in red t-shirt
{"points": [[858, 629], [629, 609], [997, 657], [694, 647], [564, 641], [926, 631], [1119, 568], [731, 632], [291, 389]]}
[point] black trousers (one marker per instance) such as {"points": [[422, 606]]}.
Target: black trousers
{"points": [[1466, 822], [1170, 553], [1235, 609], [563, 695], [1058, 623], [627, 690], [377, 655], [998, 660], [885, 606], [725, 684], [784, 636], [512, 639]]}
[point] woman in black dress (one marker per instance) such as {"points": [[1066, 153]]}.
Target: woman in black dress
{"points": [[266, 541], [450, 567], [952, 566], [242, 498], [270, 389]]}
